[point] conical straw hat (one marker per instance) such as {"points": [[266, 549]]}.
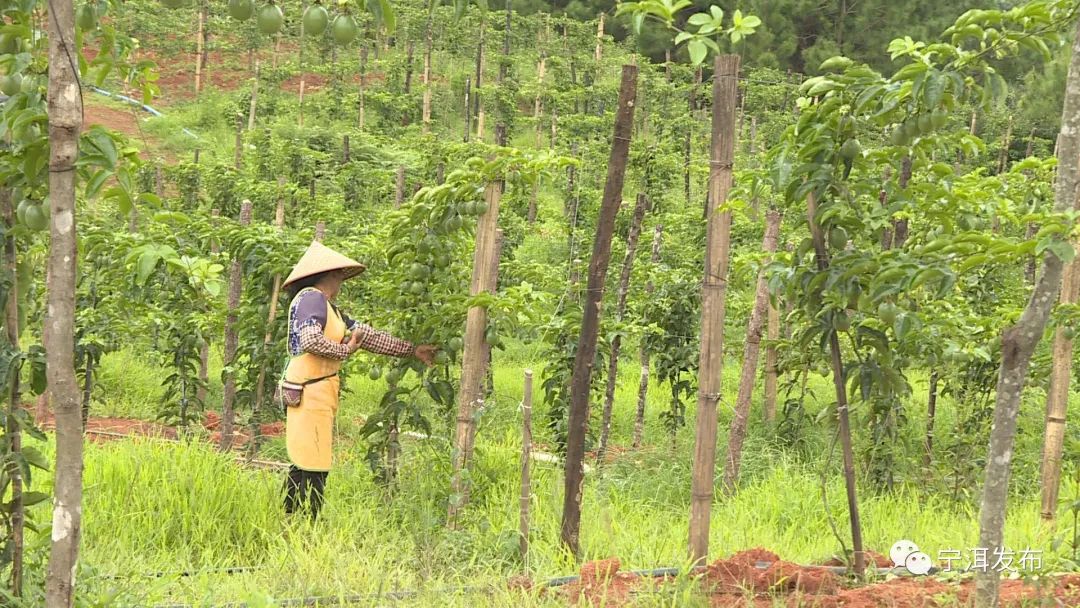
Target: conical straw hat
{"points": [[319, 258]]}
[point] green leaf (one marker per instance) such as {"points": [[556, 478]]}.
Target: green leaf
{"points": [[33, 498], [697, 50]]}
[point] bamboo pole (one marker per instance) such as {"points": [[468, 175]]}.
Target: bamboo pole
{"points": [[714, 289], [643, 383], [590, 323], [1057, 402], [199, 43], [236, 279], [471, 390], [640, 208], [526, 485], [751, 350]]}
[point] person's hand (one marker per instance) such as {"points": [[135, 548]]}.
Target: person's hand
{"points": [[354, 342], [426, 353]]}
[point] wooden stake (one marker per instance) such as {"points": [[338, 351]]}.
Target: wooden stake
{"points": [[526, 449], [590, 323], [493, 280], [714, 289], [620, 310], [399, 192], [254, 98], [363, 75], [238, 149], [17, 521], [236, 280], [468, 110], [773, 334], [751, 350], [199, 43], [471, 390], [643, 383], [426, 110], [931, 414], [204, 352], [598, 53], [275, 295], [320, 230], [822, 256], [478, 108]]}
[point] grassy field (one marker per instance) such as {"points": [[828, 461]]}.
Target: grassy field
{"points": [[153, 506]]}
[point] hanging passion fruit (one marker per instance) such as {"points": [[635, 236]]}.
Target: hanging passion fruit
{"points": [[20, 211], [86, 17], [344, 29], [36, 218], [270, 19], [851, 149], [11, 84], [241, 10], [838, 237], [315, 20], [9, 44]]}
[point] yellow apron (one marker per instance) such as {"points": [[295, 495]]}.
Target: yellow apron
{"points": [[309, 427]]}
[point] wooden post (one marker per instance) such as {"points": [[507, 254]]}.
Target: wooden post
{"points": [[399, 192], [643, 383], [598, 53], [822, 255], [714, 289], [275, 295], [493, 280], [11, 322], [409, 50], [526, 486], [751, 350], [320, 230], [1057, 402], [345, 148], [590, 323], [931, 414], [478, 108], [468, 110], [773, 334], [363, 75], [236, 279], [238, 149], [254, 98], [426, 110], [204, 352], [471, 390], [640, 208]]}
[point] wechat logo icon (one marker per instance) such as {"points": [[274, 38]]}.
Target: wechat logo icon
{"points": [[906, 554]]}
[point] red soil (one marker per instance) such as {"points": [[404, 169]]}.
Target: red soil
{"points": [[101, 430], [738, 582]]}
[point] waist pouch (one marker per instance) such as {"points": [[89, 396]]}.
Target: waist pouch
{"points": [[289, 393]]}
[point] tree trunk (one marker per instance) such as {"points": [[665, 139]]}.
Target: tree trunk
{"points": [[620, 310], [643, 383], [713, 291], [752, 349], [590, 322], [204, 352], [504, 63], [65, 123], [471, 390], [773, 334], [11, 324], [408, 65], [526, 486], [537, 106], [822, 256], [598, 53], [1019, 342], [345, 154], [900, 227], [236, 281], [931, 414], [1003, 154]]}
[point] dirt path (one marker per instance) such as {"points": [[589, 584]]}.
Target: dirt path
{"points": [[125, 121]]}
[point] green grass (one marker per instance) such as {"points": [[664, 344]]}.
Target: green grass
{"points": [[155, 506]]}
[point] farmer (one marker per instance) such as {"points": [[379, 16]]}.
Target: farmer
{"points": [[317, 346]]}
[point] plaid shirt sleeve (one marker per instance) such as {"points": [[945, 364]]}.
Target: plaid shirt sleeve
{"points": [[380, 342], [312, 340]]}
